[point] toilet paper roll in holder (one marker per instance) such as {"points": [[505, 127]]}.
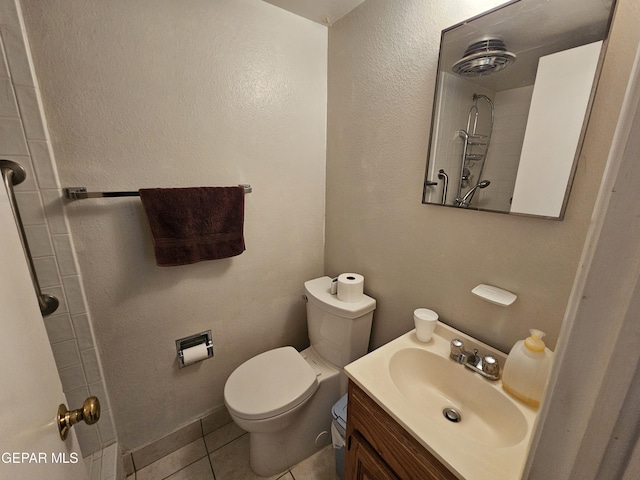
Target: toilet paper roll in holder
{"points": [[193, 341]]}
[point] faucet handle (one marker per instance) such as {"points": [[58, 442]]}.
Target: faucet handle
{"points": [[457, 348], [491, 366]]}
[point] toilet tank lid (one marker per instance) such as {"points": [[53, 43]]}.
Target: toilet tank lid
{"points": [[319, 293]]}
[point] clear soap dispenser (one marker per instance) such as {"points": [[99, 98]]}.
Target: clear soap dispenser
{"points": [[527, 368]]}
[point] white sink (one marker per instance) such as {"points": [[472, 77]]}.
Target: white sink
{"points": [[431, 384], [415, 382]]}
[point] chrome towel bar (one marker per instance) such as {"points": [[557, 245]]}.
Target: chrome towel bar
{"points": [[14, 174], [78, 193]]}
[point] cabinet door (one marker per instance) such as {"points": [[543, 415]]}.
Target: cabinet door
{"points": [[399, 453], [365, 463]]}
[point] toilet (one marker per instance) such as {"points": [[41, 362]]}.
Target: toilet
{"points": [[283, 397]]}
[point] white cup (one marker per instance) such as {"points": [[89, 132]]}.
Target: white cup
{"points": [[425, 321]]}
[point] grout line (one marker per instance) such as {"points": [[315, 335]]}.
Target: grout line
{"points": [[186, 466], [211, 465], [225, 444], [133, 462]]}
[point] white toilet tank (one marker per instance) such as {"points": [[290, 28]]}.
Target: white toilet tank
{"points": [[339, 331]]}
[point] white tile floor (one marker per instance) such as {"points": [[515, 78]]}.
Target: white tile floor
{"points": [[224, 455]]}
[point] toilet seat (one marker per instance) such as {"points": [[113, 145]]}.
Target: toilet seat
{"points": [[270, 384]]}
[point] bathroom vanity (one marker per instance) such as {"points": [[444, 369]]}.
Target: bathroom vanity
{"points": [[415, 413], [378, 446]]}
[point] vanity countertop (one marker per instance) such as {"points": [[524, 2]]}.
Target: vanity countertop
{"points": [[492, 439]]}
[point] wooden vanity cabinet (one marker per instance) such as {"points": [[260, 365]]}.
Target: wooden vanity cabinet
{"points": [[378, 448]]}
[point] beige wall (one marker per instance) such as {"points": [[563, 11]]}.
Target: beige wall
{"points": [[382, 70], [169, 94]]}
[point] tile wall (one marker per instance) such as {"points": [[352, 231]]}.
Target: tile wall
{"points": [[24, 139]]}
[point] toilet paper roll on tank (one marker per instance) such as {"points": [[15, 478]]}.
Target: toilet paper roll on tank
{"points": [[350, 287]]}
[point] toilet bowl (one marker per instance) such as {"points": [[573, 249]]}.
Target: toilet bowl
{"points": [[286, 423], [282, 382], [283, 397]]}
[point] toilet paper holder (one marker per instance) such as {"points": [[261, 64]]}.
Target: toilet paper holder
{"points": [[193, 341]]}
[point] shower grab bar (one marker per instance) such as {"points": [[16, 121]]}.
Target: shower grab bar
{"points": [[79, 193], [14, 174], [442, 174]]}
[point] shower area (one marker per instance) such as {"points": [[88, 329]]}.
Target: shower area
{"points": [[477, 144], [476, 139], [464, 145], [477, 136]]}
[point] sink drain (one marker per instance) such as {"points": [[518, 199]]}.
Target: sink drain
{"points": [[452, 414]]}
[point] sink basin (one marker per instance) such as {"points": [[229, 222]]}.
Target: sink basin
{"points": [[417, 383], [432, 384]]}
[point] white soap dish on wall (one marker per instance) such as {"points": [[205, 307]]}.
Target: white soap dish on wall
{"points": [[494, 295]]}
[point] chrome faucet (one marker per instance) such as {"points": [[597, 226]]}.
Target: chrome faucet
{"points": [[487, 365], [465, 201]]}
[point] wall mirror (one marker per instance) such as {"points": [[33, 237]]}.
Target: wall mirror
{"points": [[513, 95]]}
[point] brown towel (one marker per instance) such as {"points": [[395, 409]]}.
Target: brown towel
{"points": [[194, 224]]}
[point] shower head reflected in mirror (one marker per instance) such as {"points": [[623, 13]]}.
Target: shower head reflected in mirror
{"points": [[484, 57], [465, 201]]}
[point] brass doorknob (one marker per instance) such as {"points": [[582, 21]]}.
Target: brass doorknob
{"points": [[90, 413]]}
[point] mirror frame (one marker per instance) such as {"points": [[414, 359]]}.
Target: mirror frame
{"points": [[435, 118]]}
